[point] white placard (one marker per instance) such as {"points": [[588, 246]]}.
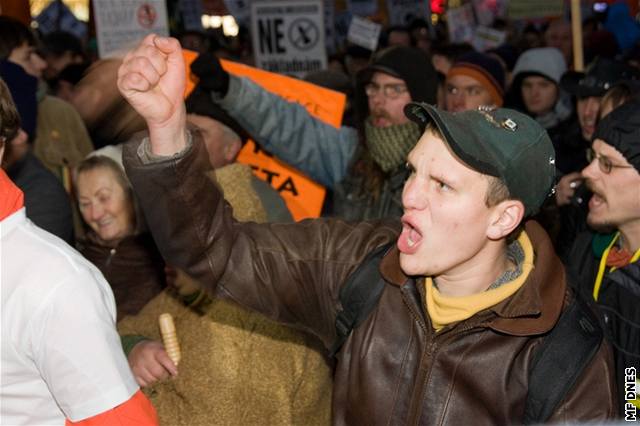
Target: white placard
{"points": [[121, 24], [364, 33], [288, 36], [403, 12], [486, 38], [461, 24]]}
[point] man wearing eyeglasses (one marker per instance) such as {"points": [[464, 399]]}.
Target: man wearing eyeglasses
{"points": [[606, 263], [365, 178]]}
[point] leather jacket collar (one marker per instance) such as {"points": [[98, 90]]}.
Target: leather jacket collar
{"points": [[532, 310]]}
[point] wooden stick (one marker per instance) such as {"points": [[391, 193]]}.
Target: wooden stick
{"points": [[169, 337], [576, 30]]}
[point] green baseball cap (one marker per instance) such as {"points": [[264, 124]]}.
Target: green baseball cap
{"points": [[498, 142]]}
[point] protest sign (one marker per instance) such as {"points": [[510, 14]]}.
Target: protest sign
{"points": [[121, 24], [364, 33], [302, 195], [487, 10], [461, 23], [288, 36], [486, 38], [527, 9], [58, 17]]}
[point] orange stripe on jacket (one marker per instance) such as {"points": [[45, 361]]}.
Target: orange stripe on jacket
{"points": [[136, 411]]}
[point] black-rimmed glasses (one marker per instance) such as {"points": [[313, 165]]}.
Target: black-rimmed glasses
{"points": [[604, 162]]}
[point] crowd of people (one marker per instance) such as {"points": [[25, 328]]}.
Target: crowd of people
{"points": [[492, 200]]}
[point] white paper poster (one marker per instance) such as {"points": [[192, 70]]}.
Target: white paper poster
{"points": [[121, 24], [486, 38], [288, 36], [364, 33]]}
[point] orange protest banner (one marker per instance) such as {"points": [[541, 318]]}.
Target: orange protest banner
{"points": [[303, 196]]}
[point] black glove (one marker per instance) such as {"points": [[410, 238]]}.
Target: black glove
{"points": [[213, 77]]}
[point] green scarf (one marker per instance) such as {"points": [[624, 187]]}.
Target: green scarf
{"points": [[389, 146]]}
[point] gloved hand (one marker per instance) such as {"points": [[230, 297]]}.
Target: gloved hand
{"points": [[212, 76]]}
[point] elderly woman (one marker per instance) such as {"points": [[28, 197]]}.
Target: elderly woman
{"points": [[115, 241], [260, 372]]}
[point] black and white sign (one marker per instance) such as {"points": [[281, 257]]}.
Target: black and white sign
{"points": [[121, 24], [288, 36]]}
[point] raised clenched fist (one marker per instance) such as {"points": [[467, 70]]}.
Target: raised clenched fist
{"points": [[152, 79]]}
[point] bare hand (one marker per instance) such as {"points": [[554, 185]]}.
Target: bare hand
{"points": [[567, 187], [150, 363], [152, 79]]}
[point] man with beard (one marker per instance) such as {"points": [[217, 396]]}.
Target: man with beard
{"points": [[467, 296], [607, 265], [366, 177], [588, 88]]}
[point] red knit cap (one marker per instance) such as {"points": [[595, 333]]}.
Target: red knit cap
{"points": [[485, 70]]}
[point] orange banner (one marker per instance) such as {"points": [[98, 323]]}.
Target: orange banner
{"points": [[303, 196]]}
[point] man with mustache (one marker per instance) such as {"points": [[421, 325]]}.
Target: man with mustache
{"points": [[606, 264], [363, 167], [468, 295], [588, 88]]}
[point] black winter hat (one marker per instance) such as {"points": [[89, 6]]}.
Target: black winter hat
{"points": [[621, 129], [199, 102], [599, 77], [411, 65]]}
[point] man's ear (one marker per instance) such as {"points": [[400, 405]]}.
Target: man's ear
{"points": [[232, 149], [506, 217]]}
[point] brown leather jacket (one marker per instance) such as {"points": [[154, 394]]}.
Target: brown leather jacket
{"points": [[394, 369]]}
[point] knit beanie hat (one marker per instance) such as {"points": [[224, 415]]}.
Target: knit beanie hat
{"points": [[200, 102], [409, 64], [485, 69], [23, 88], [545, 61], [621, 129]]}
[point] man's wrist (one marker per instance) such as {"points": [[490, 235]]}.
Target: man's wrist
{"points": [[169, 137]]}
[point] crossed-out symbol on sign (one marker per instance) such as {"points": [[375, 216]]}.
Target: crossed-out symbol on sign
{"points": [[146, 15], [303, 34]]}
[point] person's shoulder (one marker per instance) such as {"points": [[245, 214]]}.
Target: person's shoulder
{"points": [[41, 269], [38, 252], [54, 103]]}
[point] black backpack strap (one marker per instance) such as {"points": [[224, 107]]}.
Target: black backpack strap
{"points": [[359, 296], [560, 360]]}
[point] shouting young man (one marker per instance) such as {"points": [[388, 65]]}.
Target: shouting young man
{"points": [[467, 296]]}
